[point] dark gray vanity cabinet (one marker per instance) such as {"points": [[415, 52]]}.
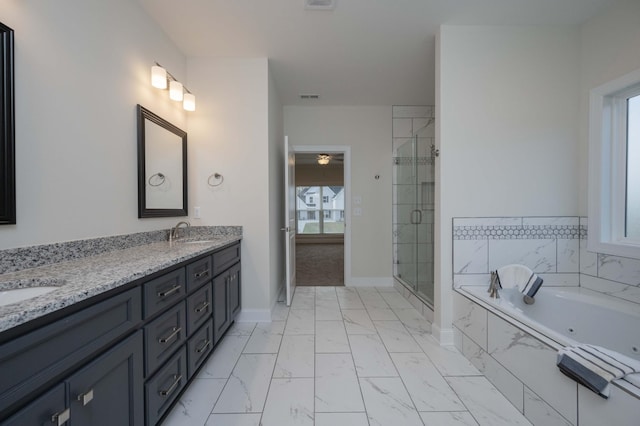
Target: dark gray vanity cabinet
{"points": [[108, 390], [35, 367], [125, 359], [181, 336], [50, 408], [226, 299]]}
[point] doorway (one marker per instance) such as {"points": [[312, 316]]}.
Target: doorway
{"points": [[321, 213]]}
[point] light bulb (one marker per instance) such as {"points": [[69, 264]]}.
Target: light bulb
{"points": [[189, 102], [158, 77], [175, 90]]}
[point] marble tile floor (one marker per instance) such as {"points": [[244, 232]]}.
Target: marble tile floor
{"points": [[340, 356]]}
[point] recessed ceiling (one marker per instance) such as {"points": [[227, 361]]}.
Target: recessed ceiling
{"points": [[363, 52]]}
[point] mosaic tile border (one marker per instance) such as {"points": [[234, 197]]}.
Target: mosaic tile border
{"points": [[517, 232]]}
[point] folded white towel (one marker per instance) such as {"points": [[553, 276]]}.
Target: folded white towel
{"points": [[514, 276], [518, 276], [595, 367]]}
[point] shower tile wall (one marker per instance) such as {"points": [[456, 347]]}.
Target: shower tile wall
{"points": [[553, 247], [408, 121]]}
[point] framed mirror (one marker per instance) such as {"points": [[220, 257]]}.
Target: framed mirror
{"points": [[7, 131], [162, 167]]}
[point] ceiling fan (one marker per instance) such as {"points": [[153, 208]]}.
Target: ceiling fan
{"points": [[324, 159]]}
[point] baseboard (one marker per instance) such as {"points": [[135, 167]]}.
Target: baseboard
{"points": [[254, 315], [443, 336], [370, 282]]}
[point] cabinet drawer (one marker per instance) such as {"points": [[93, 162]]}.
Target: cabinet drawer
{"points": [[200, 346], [163, 388], [225, 258], [42, 410], [199, 308], [163, 292], [198, 273], [42, 355], [163, 336]]}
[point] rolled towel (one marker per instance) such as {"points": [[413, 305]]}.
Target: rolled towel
{"points": [[595, 367], [520, 277]]}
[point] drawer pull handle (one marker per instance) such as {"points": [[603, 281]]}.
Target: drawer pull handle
{"points": [[202, 307], [174, 332], [176, 381], [170, 291], [61, 418], [201, 274], [86, 397], [203, 347]]}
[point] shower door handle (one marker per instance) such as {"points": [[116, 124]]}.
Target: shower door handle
{"points": [[413, 219]]}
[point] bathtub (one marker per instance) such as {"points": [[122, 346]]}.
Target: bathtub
{"points": [[570, 315], [507, 337]]}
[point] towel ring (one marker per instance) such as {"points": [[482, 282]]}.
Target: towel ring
{"points": [[160, 179], [215, 176]]}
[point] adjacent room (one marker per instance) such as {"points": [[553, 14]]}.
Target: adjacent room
{"points": [[320, 212]]}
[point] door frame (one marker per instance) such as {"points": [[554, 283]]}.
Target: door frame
{"points": [[346, 151]]}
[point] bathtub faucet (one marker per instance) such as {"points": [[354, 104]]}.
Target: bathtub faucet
{"points": [[494, 286]]}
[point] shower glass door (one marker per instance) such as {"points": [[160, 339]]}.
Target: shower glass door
{"points": [[414, 213]]}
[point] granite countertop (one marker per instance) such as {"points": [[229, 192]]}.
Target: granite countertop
{"points": [[90, 276]]}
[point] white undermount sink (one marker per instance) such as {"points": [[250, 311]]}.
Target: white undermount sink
{"points": [[19, 290]]}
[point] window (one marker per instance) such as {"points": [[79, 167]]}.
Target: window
{"points": [[325, 219], [632, 219], [614, 167]]}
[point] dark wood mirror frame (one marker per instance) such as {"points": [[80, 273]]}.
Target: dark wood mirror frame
{"points": [[7, 131], [145, 116]]}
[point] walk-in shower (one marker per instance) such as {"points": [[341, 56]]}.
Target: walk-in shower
{"points": [[413, 211]]}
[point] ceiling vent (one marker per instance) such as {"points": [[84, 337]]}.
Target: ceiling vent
{"points": [[319, 4], [309, 96]]}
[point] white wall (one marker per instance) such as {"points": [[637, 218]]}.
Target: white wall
{"points": [[276, 192], [367, 130], [229, 134], [508, 104], [81, 68], [609, 49]]}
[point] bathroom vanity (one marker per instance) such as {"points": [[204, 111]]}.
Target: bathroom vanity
{"points": [[122, 355]]}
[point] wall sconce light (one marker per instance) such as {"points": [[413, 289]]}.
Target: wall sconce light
{"points": [[159, 79], [323, 159]]}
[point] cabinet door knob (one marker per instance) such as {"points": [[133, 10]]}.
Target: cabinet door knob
{"points": [[86, 397], [61, 418]]}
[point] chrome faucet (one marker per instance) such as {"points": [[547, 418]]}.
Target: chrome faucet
{"points": [[174, 232], [494, 286]]}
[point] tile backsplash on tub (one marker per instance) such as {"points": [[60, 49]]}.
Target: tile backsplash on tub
{"points": [[550, 246], [553, 247]]}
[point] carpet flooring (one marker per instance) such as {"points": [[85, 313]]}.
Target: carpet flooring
{"points": [[320, 264]]}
